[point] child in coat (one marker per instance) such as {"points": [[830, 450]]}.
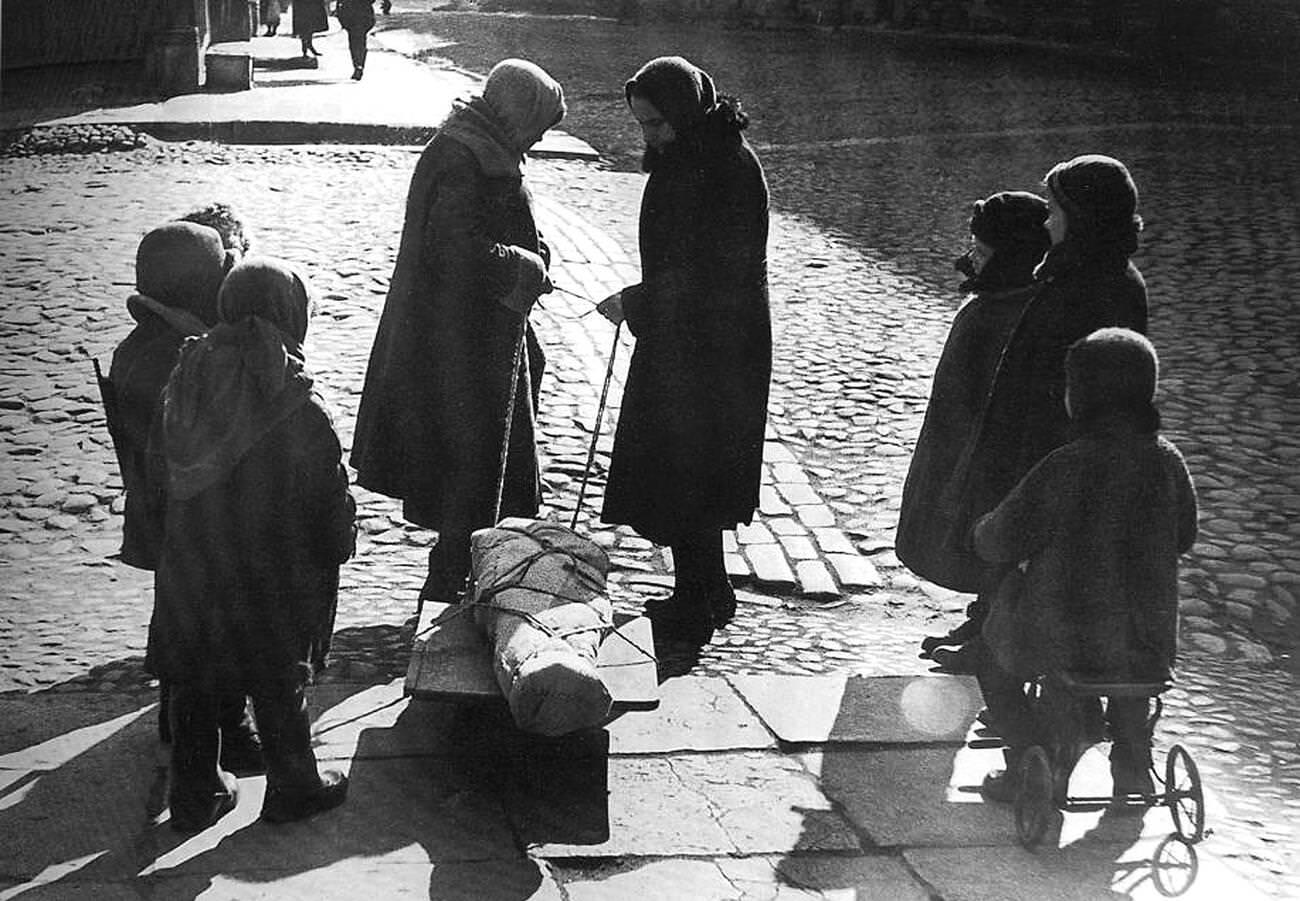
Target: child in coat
{"points": [[259, 519], [1008, 239], [1097, 528]]}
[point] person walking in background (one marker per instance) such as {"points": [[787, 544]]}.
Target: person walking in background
{"points": [[310, 17], [269, 13], [470, 265], [259, 519], [1097, 526], [688, 447], [1008, 239], [357, 18]]}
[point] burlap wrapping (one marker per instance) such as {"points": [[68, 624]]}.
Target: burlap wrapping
{"points": [[539, 591]]}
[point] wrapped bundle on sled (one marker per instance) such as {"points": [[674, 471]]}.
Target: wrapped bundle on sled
{"points": [[539, 595]]}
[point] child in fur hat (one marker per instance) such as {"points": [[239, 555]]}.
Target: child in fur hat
{"points": [[1008, 239], [1097, 528]]}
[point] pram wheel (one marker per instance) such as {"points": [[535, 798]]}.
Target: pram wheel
{"points": [[1035, 804], [1183, 794]]}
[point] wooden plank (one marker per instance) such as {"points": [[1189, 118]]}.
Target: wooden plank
{"points": [[451, 659]]}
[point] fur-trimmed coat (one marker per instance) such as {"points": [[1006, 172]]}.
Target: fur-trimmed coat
{"points": [[1101, 523], [688, 449]]}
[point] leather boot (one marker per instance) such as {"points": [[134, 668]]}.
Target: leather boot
{"points": [[295, 789]]}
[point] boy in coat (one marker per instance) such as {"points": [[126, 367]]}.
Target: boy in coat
{"points": [[1097, 528]]}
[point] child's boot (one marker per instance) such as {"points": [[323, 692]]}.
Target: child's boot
{"points": [[295, 789]]}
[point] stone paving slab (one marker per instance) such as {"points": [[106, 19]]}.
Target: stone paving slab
{"points": [[1079, 873], [879, 710], [807, 876]]}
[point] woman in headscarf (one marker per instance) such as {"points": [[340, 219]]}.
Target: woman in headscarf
{"points": [[688, 450], [259, 519], [431, 423]]}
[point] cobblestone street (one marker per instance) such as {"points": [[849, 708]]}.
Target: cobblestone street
{"points": [[862, 295]]}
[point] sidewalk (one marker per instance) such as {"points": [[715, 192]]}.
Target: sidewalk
{"points": [[744, 786]]}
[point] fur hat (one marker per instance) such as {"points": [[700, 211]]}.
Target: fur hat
{"points": [[1011, 219], [1111, 370], [181, 264], [1097, 194]]}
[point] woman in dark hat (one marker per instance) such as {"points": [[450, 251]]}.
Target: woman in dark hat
{"points": [[1008, 240], [688, 450], [1085, 282]]}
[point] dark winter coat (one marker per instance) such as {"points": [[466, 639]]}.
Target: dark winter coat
{"points": [[248, 582], [355, 15], [1024, 417], [310, 17], [1101, 522], [141, 364], [929, 541], [432, 414], [688, 449]]}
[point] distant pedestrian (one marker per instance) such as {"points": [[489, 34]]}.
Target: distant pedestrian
{"points": [[310, 17], [357, 18], [688, 449], [1085, 282], [1099, 525], [269, 13], [1008, 240], [259, 518], [469, 268]]}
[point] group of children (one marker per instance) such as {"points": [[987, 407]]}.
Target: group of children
{"points": [[1040, 482], [238, 501]]}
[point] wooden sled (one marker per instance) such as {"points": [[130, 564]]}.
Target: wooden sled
{"points": [[451, 660]]}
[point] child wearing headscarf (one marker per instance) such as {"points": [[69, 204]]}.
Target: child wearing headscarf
{"points": [[1008, 240], [259, 519], [471, 263], [1097, 528]]}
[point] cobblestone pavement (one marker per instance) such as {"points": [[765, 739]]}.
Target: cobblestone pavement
{"points": [[862, 238], [845, 405]]}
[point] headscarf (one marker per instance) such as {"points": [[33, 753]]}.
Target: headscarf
{"points": [[519, 103], [682, 92], [178, 271], [241, 379]]}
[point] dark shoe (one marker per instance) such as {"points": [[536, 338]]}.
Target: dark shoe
{"points": [[677, 621], [1001, 786], [313, 51], [285, 805], [722, 607], [961, 661], [241, 752], [356, 74], [194, 814]]}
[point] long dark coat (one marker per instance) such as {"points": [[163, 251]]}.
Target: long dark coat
{"points": [[432, 414], [688, 449], [139, 371], [310, 17], [1024, 418], [1102, 522], [928, 541], [247, 586]]}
